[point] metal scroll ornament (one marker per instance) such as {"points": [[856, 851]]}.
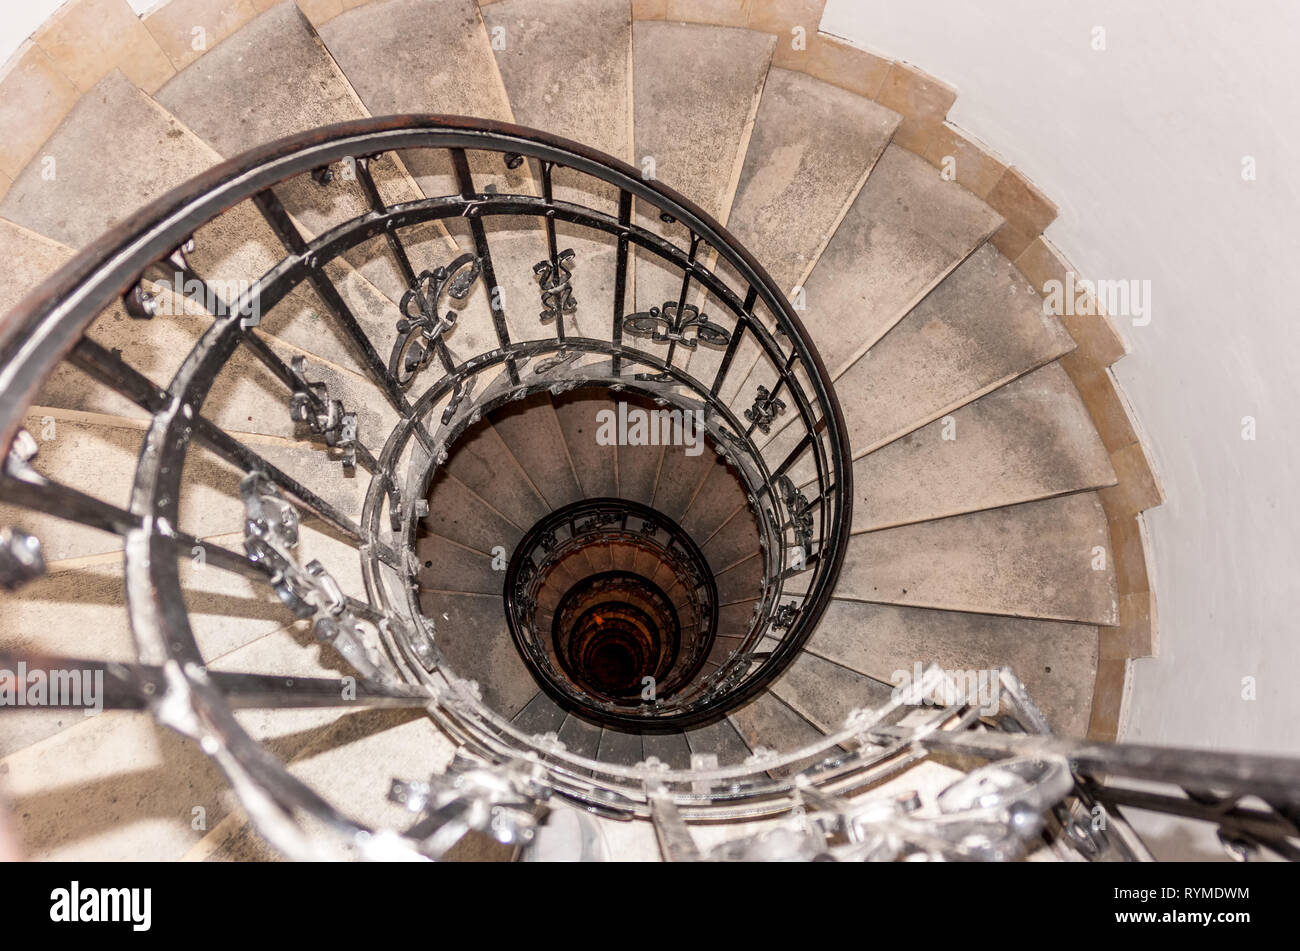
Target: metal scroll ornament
{"points": [[553, 278], [667, 324], [420, 329]]}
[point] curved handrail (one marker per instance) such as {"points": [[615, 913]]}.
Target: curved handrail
{"points": [[51, 321]]}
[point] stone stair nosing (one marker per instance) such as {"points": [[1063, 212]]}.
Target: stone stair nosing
{"points": [[280, 79], [691, 84], [906, 231], [1030, 439], [813, 148], [1048, 559], [1056, 660], [978, 330]]}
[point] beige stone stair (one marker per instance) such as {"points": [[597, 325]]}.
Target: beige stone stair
{"points": [[1048, 559], [986, 549], [1029, 440]]}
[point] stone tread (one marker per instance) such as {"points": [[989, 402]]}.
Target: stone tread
{"points": [[981, 328], [1033, 560], [906, 230], [1057, 660], [1030, 439], [812, 147]]}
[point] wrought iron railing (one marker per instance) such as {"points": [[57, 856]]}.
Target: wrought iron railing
{"points": [[725, 321], [723, 324]]}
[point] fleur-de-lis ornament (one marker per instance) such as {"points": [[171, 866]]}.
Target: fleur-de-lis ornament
{"points": [[666, 325], [420, 327]]}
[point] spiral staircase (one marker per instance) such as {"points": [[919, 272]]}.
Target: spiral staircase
{"points": [[312, 460]]}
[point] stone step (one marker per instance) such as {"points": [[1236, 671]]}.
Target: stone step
{"points": [[696, 84], [532, 430], [580, 737], [720, 739], [1049, 559], [1056, 660], [669, 748], [1031, 439], [906, 230], [741, 582], [812, 148], [540, 715], [713, 504], [692, 85], [595, 465], [567, 68], [619, 748], [734, 542], [484, 463], [472, 634], [458, 513], [638, 472], [983, 327], [810, 153], [449, 567], [155, 153], [767, 722], [681, 477], [825, 692], [272, 78]]}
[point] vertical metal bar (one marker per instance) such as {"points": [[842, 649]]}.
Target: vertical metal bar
{"points": [[620, 276], [465, 181], [751, 296], [552, 246], [377, 204], [681, 298]]}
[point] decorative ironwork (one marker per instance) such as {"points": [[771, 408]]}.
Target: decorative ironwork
{"points": [[310, 403], [783, 617], [376, 627], [667, 324], [764, 411], [557, 294], [800, 509], [421, 329], [20, 558], [270, 536]]}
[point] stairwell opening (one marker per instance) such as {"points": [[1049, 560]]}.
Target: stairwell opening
{"points": [[620, 602]]}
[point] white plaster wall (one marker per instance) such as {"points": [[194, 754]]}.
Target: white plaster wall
{"points": [[18, 21], [1142, 145]]}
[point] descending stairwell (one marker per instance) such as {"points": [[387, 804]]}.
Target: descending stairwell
{"points": [[978, 536]]}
